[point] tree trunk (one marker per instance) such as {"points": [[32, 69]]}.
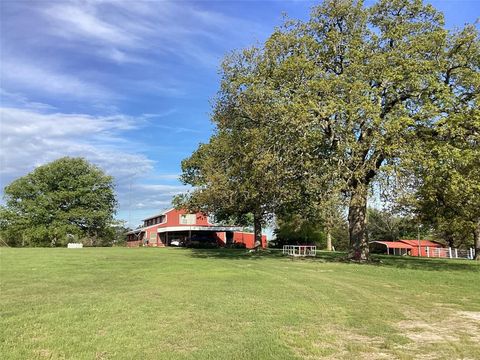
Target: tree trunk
{"points": [[476, 238], [329, 240], [449, 239], [357, 224], [257, 230]]}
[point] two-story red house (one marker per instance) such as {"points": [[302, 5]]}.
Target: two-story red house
{"points": [[180, 228]]}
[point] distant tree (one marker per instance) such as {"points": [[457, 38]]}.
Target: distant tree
{"points": [[119, 230], [385, 225], [445, 182], [66, 199], [297, 230], [294, 229], [443, 170]]}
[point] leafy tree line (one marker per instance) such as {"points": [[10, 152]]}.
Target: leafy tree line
{"points": [[383, 225], [67, 200], [326, 108]]}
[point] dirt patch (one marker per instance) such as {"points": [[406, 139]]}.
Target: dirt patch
{"points": [[101, 355], [44, 353], [334, 343], [472, 315], [421, 331], [442, 326]]}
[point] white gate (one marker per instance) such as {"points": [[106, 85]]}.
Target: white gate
{"points": [[299, 250], [75, 245]]}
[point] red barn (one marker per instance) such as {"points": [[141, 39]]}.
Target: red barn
{"points": [[180, 228], [406, 247]]}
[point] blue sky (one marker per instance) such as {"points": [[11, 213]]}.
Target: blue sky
{"points": [[127, 84]]}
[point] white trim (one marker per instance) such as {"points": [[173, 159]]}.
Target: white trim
{"points": [[197, 228], [162, 213], [187, 217], [250, 232]]}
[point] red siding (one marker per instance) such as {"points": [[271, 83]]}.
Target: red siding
{"points": [[152, 237], [248, 239], [423, 246], [173, 219], [221, 238]]}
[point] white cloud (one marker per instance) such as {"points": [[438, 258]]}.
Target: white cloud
{"points": [[17, 73], [77, 20], [133, 31], [64, 58], [167, 176], [20, 100], [29, 138], [31, 123]]}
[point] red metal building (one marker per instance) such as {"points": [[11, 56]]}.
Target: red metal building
{"points": [[180, 228], [406, 247]]}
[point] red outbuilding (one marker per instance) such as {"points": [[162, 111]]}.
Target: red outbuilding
{"points": [[180, 228], [407, 247], [424, 247]]}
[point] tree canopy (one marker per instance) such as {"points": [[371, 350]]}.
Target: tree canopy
{"points": [[57, 203], [339, 100]]}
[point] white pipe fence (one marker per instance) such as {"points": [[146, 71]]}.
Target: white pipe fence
{"points": [[450, 253], [299, 250]]}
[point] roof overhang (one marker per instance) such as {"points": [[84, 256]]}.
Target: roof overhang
{"points": [[157, 215], [135, 231], [198, 228], [393, 244]]}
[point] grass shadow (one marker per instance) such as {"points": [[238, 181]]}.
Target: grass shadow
{"points": [[233, 254], [428, 264], [399, 262], [243, 254]]}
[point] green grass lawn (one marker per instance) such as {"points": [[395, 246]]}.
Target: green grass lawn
{"points": [[148, 303]]}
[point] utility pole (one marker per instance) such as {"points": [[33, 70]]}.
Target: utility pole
{"points": [[130, 203], [418, 238]]}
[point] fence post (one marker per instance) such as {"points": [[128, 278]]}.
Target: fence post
{"points": [[427, 249], [456, 253], [449, 252]]}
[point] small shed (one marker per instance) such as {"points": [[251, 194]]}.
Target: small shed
{"points": [[391, 247], [424, 248]]}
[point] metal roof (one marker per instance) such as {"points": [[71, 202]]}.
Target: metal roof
{"points": [[423, 243], [162, 213], [198, 228], [393, 244]]}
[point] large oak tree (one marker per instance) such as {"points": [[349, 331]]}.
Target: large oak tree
{"points": [[65, 199], [343, 97]]}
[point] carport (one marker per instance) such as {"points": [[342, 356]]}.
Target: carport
{"points": [[391, 247], [196, 235]]}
